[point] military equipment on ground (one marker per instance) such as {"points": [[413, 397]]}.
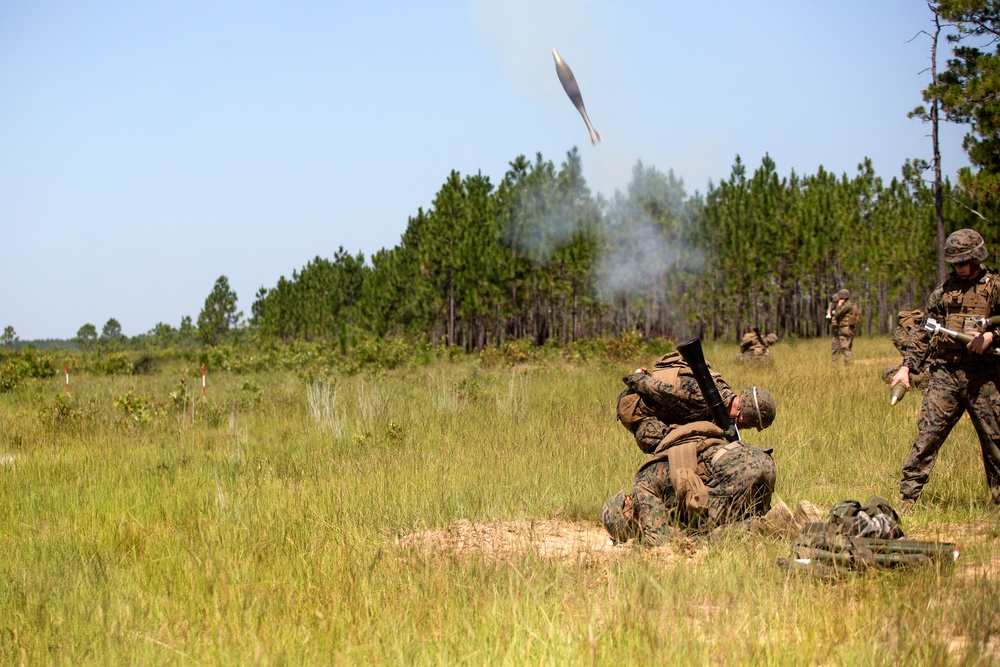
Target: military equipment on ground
{"points": [[760, 339], [855, 537], [897, 393], [694, 356], [821, 551], [934, 328]]}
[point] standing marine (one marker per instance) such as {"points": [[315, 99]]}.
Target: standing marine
{"points": [[960, 377], [845, 316]]}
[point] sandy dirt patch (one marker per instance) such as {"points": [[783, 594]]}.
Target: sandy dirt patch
{"points": [[549, 539]]}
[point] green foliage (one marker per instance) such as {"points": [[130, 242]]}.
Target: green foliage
{"points": [[219, 315], [318, 302], [144, 364], [249, 395], [509, 353], [9, 337], [86, 337], [116, 363], [538, 258], [213, 414], [629, 345], [111, 337], [136, 410], [376, 355], [62, 411], [178, 398], [25, 363], [967, 90]]}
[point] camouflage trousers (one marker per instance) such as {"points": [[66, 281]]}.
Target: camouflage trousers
{"points": [[740, 482], [649, 433], [951, 391], [841, 347]]}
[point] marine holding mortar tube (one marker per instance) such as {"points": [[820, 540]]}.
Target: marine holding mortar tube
{"points": [[960, 376], [700, 475], [669, 394]]}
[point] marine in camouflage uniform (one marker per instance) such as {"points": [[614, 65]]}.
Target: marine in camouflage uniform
{"points": [[754, 348], [961, 378], [739, 480], [844, 319], [653, 401]]}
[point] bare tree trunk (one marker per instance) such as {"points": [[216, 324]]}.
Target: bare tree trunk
{"points": [[938, 193]]}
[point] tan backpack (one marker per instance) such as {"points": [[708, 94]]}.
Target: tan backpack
{"points": [[632, 409]]}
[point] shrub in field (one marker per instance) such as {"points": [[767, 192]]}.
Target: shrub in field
{"points": [[11, 375], [630, 345], [116, 363], [144, 364], [376, 354], [218, 357], [512, 352], [26, 363], [178, 397], [135, 409], [63, 411], [470, 388], [248, 395]]}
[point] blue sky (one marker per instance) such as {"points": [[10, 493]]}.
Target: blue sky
{"points": [[146, 148]]}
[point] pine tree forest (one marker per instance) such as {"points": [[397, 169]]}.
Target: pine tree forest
{"points": [[540, 257]]}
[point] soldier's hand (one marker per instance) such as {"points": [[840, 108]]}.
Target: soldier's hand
{"points": [[641, 369], [980, 343], [902, 375]]}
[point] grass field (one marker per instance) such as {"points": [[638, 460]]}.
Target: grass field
{"points": [[447, 514]]}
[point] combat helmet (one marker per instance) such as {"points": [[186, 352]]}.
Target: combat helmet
{"points": [[842, 294], [963, 245], [619, 527], [771, 338], [758, 407]]}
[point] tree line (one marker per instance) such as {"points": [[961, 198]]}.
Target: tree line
{"points": [[540, 256]]}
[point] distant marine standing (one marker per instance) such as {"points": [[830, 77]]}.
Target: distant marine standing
{"points": [[845, 316]]}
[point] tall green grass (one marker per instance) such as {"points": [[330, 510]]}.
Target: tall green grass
{"points": [[259, 526]]}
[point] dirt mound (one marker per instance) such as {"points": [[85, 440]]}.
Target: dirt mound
{"points": [[549, 539]]}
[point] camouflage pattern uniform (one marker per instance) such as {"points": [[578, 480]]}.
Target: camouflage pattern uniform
{"points": [[752, 349], [844, 320], [740, 480], [959, 380], [907, 322], [662, 404]]}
